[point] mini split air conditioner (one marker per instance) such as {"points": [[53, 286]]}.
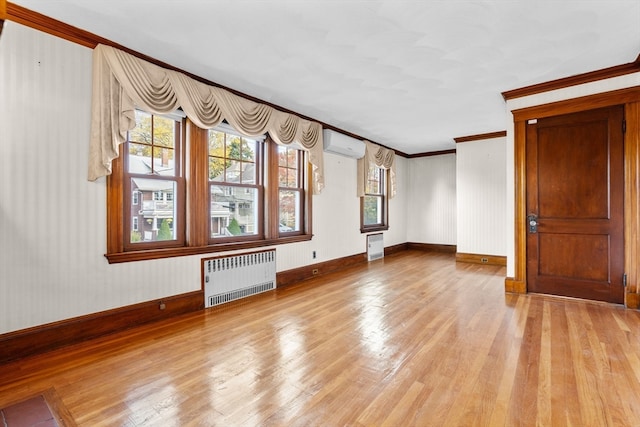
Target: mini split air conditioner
{"points": [[339, 143]]}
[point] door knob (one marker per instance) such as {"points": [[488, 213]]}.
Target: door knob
{"points": [[532, 222]]}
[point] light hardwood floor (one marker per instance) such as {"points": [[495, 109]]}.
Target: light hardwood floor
{"points": [[411, 340]]}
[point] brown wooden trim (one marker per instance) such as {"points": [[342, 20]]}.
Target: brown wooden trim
{"points": [[58, 408], [51, 399], [583, 103], [632, 300], [271, 188], [3, 14], [490, 135], [197, 204], [431, 247], [40, 339], [514, 286], [632, 202], [390, 250], [115, 208], [115, 258], [40, 22], [592, 76], [293, 276], [520, 206], [481, 259], [431, 153], [398, 153]]}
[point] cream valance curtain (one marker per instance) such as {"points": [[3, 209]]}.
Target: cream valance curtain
{"points": [[122, 82], [380, 157]]}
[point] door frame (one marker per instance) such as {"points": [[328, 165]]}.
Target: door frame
{"points": [[630, 98]]}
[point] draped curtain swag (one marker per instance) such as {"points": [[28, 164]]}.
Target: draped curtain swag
{"points": [[380, 157], [122, 82]]}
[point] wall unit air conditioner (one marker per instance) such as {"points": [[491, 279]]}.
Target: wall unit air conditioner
{"points": [[339, 143]]}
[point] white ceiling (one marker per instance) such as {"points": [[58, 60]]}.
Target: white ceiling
{"points": [[411, 75]]}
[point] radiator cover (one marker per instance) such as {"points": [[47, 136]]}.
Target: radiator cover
{"points": [[233, 277]]}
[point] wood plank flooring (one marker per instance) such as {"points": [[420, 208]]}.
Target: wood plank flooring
{"points": [[411, 340]]}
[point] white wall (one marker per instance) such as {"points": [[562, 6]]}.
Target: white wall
{"points": [[481, 197], [621, 82], [431, 200], [53, 221]]}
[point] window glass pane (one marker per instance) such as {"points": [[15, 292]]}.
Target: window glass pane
{"points": [[163, 162], [216, 168], [233, 211], [142, 132], [288, 167], [163, 131], [248, 173], [287, 157], [216, 143], [372, 213], [289, 202], [232, 171], [151, 145], [373, 181], [139, 159], [154, 216], [231, 158], [234, 147], [248, 150]]}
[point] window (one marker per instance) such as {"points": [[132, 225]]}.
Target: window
{"points": [[290, 189], [373, 205], [235, 187], [153, 176], [181, 190]]}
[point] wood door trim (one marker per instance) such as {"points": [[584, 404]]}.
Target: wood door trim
{"points": [[630, 98], [631, 203]]}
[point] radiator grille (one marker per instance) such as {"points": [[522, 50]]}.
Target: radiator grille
{"points": [[375, 246], [238, 276]]}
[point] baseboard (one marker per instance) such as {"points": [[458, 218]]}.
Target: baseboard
{"points": [[390, 250], [41, 339], [514, 286], [431, 247], [481, 259], [293, 276]]}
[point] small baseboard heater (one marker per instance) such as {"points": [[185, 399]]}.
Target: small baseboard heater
{"points": [[375, 246], [238, 276]]}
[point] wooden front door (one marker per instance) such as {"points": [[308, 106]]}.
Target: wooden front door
{"points": [[575, 189]]}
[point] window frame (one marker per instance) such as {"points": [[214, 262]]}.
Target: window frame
{"points": [[299, 188], [258, 186], [177, 177], [383, 194], [195, 211]]}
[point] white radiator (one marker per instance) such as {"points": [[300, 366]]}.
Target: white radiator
{"points": [[238, 276], [375, 246]]}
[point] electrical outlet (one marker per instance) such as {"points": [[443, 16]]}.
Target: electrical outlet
{"points": [[162, 305], [314, 271], [484, 260]]}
